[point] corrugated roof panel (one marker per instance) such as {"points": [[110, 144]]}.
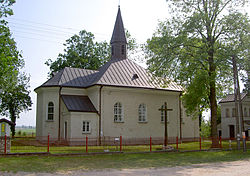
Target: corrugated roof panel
{"points": [[116, 72], [78, 103]]}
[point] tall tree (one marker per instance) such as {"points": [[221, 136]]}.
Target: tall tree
{"points": [[83, 52], [192, 48], [14, 93], [10, 58], [16, 100]]}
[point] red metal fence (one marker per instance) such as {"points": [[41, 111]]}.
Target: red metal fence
{"points": [[115, 144]]}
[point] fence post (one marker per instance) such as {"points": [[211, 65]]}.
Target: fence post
{"points": [[150, 144], [120, 143], [48, 144], [5, 144], [200, 143], [86, 144], [177, 142]]}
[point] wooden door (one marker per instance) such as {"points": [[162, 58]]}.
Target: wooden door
{"points": [[231, 131]]}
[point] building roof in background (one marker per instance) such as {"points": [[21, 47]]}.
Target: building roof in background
{"points": [[75, 103], [230, 98]]}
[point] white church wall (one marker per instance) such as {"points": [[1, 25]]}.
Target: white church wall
{"points": [[73, 91], [76, 123], [131, 99], [45, 126], [93, 94]]}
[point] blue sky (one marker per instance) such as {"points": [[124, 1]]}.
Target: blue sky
{"points": [[40, 27]]}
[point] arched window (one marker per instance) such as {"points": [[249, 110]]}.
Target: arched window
{"points": [[142, 113], [51, 111], [118, 112]]}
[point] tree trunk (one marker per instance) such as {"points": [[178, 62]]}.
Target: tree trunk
{"points": [[212, 99], [13, 119]]}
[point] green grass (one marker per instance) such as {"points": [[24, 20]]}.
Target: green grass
{"points": [[19, 147], [25, 132], [54, 164]]}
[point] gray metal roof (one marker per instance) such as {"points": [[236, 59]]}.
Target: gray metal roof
{"points": [[71, 77], [116, 72], [230, 98], [78, 103], [118, 32]]}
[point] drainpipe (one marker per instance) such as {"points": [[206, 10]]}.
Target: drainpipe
{"points": [[100, 113], [180, 110], [59, 114]]}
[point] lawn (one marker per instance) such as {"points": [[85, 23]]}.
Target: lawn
{"points": [[28, 145], [54, 164]]}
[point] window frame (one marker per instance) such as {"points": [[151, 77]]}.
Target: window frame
{"points": [[118, 112], [142, 113], [86, 127], [227, 113], [49, 107]]}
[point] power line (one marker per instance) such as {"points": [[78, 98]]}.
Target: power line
{"points": [[43, 24], [38, 39], [28, 21], [38, 34], [30, 27]]}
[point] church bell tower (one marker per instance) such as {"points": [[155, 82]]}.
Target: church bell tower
{"points": [[118, 41]]}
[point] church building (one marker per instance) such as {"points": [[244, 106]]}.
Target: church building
{"points": [[119, 99]]}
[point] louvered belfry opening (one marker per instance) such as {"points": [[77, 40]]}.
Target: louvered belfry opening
{"points": [[118, 40]]}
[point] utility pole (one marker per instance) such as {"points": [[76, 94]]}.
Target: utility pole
{"points": [[237, 101]]}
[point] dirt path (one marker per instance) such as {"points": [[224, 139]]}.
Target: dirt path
{"points": [[236, 168]]}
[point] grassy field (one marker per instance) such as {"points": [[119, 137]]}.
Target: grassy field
{"points": [[25, 132], [54, 164]]}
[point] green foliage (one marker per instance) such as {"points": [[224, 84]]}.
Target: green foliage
{"points": [[195, 47], [16, 100], [5, 9], [205, 129], [83, 52], [13, 84]]}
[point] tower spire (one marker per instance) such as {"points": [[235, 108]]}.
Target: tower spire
{"points": [[118, 40]]}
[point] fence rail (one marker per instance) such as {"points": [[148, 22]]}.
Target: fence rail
{"points": [[113, 144]]}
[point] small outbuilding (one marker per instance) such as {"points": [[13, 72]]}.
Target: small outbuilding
{"points": [[5, 131]]}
